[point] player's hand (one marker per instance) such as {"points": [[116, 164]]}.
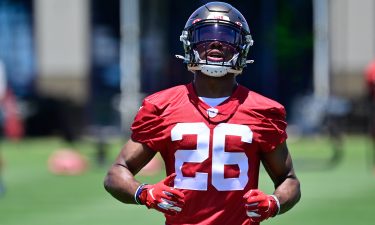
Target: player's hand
{"points": [[163, 197], [260, 206]]}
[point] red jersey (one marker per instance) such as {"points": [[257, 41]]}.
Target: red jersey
{"points": [[214, 151]]}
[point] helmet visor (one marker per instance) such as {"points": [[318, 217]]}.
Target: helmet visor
{"points": [[216, 32], [215, 51]]}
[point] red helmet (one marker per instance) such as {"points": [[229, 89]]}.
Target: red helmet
{"points": [[221, 24]]}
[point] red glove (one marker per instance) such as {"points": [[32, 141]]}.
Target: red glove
{"points": [[260, 206], [161, 196]]}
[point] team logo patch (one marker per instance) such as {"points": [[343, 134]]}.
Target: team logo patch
{"points": [[216, 16], [212, 112]]}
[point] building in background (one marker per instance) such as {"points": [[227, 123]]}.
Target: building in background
{"points": [[63, 58]]}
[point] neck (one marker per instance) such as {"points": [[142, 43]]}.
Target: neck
{"points": [[214, 87]]}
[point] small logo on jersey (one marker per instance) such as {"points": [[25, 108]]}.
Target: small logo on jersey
{"points": [[212, 112]]}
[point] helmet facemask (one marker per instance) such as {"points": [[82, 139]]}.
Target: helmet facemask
{"points": [[216, 47]]}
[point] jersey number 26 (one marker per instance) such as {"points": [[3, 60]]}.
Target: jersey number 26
{"points": [[219, 156]]}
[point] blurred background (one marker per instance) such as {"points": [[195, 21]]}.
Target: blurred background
{"points": [[73, 73]]}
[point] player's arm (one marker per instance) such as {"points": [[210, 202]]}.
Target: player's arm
{"points": [[260, 206], [120, 181], [122, 185], [279, 166]]}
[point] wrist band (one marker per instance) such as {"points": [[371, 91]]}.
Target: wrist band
{"points": [[137, 193], [277, 202]]}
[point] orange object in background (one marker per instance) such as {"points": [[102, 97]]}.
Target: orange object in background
{"points": [[67, 162], [152, 168]]}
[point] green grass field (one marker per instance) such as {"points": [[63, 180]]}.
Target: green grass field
{"points": [[342, 195]]}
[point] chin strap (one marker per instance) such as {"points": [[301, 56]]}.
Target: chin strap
{"points": [[213, 69], [186, 59]]}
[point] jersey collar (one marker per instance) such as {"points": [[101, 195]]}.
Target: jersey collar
{"points": [[222, 112]]}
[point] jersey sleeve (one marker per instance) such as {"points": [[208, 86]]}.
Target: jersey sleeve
{"points": [[273, 131], [147, 127]]}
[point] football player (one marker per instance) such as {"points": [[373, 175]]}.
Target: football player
{"points": [[212, 134]]}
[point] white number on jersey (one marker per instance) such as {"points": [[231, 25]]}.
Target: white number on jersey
{"points": [[220, 157]]}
